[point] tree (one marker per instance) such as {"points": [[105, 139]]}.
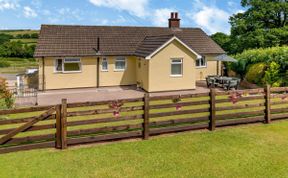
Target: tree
{"points": [[264, 24], [4, 38], [34, 35], [222, 40]]}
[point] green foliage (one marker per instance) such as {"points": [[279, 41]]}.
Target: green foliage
{"points": [[272, 75], [5, 38], [5, 94], [276, 58], [17, 49], [255, 73], [35, 35], [263, 24], [4, 64], [222, 39]]}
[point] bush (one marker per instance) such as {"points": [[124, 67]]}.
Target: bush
{"points": [[5, 94], [256, 73], [4, 64], [276, 58]]}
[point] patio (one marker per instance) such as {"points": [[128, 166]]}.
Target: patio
{"points": [[92, 94]]}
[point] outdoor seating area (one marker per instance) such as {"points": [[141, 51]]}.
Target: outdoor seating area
{"points": [[227, 83]]}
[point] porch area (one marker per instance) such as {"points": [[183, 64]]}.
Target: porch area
{"points": [[54, 97]]}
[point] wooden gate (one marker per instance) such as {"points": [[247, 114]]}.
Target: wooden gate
{"points": [[25, 133]]}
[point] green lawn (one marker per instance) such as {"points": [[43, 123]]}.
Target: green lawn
{"points": [[246, 151]]}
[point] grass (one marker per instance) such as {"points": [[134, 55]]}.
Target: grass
{"points": [[18, 65], [29, 41], [17, 32], [247, 151]]}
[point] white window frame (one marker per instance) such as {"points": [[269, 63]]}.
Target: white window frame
{"points": [[117, 59], [181, 62], [202, 65], [56, 64], [65, 60], [104, 59]]}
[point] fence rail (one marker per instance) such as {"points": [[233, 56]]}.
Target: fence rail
{"points": [[69, 124]]}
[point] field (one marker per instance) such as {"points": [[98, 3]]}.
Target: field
{"points": [[17, 32], [17, 65], [247, 151], [27, 41]]}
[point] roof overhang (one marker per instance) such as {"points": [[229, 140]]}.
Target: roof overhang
{"points": [[167, 43]]}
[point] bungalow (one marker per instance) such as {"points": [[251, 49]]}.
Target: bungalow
{"points": [[156, 59]]}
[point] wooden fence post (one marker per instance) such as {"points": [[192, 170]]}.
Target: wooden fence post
{"points": [[267, 104], [212, 118], [146, 117], [58, 126], [64, 124]]}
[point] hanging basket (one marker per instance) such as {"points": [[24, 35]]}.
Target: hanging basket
{"points": [[234, 97]]}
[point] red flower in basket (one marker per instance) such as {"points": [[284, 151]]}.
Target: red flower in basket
{"points": [[116, 113], [178, 107], [116, 105], [177, 100], [234, 97]]}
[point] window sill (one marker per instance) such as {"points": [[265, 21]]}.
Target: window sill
{"points": [[71, 72], [119, 70], [176, 76], [201, 67], [104, 70]]}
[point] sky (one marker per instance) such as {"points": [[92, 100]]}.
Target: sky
{"points": [[210, 15]]}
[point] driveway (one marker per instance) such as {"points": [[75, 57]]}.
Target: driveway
{"points": [[108, 93], [89, 94]]}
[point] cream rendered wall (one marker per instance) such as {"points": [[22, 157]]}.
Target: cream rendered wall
{"points": [[210, 69], [85, 78], [160, 78], [142, 68], [115, 78]]}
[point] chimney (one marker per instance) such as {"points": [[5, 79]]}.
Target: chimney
{"points": [[174, 21]]}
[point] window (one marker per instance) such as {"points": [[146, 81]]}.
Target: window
{"points": [[176, 67], [68, 65], [58, 65], [201, 62], [104, 64], [120, 64]]}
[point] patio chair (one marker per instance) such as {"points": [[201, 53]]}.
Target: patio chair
{"points": [[210, 81], [234, 83]]}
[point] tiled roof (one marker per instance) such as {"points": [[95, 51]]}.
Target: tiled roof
{"points": [[151, 44], [61, 40]]}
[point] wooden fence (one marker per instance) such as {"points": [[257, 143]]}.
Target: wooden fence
{"points": [[70, 124]]}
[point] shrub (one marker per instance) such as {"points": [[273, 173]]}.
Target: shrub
{"points": [[276, 58], [272, 76], [4, 64], [6, 94], [256, 73]]}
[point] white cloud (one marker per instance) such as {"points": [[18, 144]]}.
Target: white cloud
{"points": [[134, 7], [161, 16], [209, 17], [29, 12], [8, 5], [70, 13]]}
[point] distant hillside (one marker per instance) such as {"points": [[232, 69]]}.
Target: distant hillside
{"points": [[17, 32], [28, 37]]}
